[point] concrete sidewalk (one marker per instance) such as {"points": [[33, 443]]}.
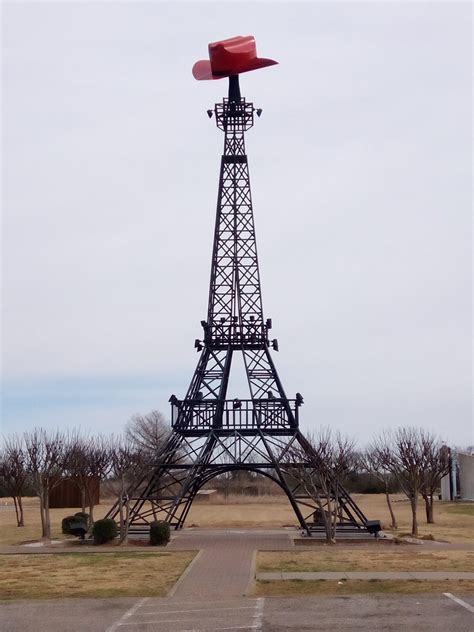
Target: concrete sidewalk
{"points": [[434, 576]]}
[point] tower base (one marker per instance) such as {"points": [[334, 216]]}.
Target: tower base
{"points": [[190, 459]]}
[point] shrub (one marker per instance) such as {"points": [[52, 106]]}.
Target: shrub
{"points": [[82, 515], [69, 520], [159, 533], [104, 531]]}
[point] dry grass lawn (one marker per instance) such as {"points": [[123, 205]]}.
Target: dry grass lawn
{"points": [[454, 521], [126, 574], [242, 511], [322, 587], [387, 559]]}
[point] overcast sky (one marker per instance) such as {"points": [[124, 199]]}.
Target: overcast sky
{"points": [[360, 169]]}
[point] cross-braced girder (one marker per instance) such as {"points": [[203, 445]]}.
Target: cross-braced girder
{"points": [[169, 493]]}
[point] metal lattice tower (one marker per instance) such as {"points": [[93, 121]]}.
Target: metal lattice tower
{"points": [[212, 434]]}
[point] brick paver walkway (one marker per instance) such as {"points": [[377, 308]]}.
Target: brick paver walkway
{"points": [[224, 565]]}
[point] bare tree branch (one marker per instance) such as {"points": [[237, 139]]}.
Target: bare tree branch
{"points": [[147, 432]]}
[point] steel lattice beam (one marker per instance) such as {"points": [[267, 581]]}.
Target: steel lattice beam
{"points": [[212, 435]]}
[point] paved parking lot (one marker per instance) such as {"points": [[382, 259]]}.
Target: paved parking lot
{"points": [[391, 613], [210, 597], [178, 616]]}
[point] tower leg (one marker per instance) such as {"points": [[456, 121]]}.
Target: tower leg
{"points": [[191, 462]]}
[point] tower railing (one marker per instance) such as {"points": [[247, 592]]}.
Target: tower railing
{"points": [[195, 415], [234, 116]]}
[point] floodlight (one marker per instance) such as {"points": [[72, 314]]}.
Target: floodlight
{"points": [[198, 345]]}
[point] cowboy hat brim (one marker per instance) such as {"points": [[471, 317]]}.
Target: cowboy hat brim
{"points": [[202, 69]]}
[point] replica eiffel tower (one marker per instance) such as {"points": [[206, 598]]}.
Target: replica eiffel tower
{"points": [[212, 435]]}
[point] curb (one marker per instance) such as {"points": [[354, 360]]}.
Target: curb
{"points": [[367, 576], [253, 573]]}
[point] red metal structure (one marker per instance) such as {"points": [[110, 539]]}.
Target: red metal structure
{"points": [[230, 57]]}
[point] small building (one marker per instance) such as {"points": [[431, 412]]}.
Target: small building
{"points": [[68, 494], [459, 483], [204, 495]]}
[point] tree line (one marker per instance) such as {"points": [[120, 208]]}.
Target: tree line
{"points": [[37, 461], [414, 458]]}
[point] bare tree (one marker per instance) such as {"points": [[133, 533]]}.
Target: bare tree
{"points": [[78, 467], [96, 462], [319, 467], [46, 462], [402, 454], [147, 432], [126, 467], [13, 473], [87, 464], [418, 460], [373, 461], [435, 465]]}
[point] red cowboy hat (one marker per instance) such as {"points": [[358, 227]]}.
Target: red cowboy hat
{"points": [[230, 57]]}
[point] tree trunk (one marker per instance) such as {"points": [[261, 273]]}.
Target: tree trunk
{"points": [[47, 517], [127, 518], [394, 524], [19, 511], [327, 526], [16, 511], [90, 499], [20, 507], [334, 514], [428, 498], [327, 517], [42, 514], [414, 522], [121, 517], [313, 493], [83, 499], [120, 504]]}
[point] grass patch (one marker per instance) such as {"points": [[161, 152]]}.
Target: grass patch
{"points": [[365, 560], [461, 510], [294, 587], [121, 574]]}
